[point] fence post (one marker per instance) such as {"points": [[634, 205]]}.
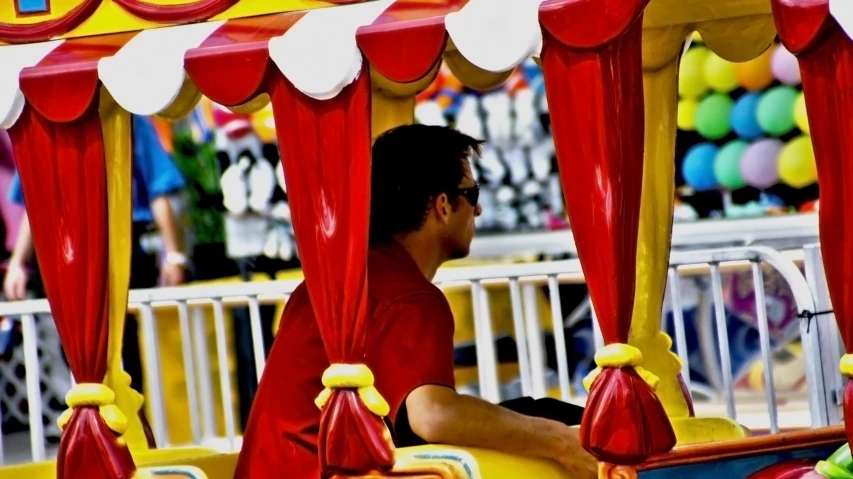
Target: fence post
{"points": [[825, 340]]}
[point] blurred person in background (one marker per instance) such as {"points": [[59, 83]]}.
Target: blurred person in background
{"points": [[154, 179]]}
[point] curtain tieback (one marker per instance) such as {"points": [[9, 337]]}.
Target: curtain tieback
{"points": [[618, 355], [94, 395], [846, 365], [353, 376]]}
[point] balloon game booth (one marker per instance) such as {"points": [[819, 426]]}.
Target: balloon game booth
{"points": [[750, 126], [337, 74]]}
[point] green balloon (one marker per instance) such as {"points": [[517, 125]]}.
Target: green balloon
{"points": [[775, 112], [712, 116], [727, 165]]}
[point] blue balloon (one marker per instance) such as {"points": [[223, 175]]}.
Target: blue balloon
{"points": [[698, 167], [744, 117]]}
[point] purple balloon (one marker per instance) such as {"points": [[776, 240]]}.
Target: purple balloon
{"points": [[759, 163], [785, 67], [6, 157]]}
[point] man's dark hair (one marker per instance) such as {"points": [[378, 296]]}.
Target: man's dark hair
{"points": [[412, 165]]}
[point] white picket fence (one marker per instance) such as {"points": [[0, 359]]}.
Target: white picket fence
{"points": [[819, 336]]}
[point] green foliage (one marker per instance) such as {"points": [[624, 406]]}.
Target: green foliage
{"points": [[197, 162]]}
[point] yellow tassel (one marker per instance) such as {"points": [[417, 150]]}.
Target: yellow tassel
{"points": [[323, 398], [94, 395], [64, 418], [114, 418], [89, 394], [847, 365], [353, 376], [374, 401], [620, 355], [339, 376]]}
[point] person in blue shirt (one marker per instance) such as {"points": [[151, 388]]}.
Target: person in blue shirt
{"points": [[154, 178]]}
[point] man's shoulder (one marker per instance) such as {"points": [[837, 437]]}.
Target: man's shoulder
{"points": [[299, 303], [388, 287]]}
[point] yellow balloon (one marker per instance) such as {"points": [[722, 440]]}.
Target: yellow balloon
{"points": [[697, 38], [720, 74], [756, 75], [796, 163], [691, 76], [687, 114], [264, 124], [800, 116]]}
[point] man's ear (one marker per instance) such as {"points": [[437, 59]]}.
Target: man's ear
{"points": [[441, 206]]}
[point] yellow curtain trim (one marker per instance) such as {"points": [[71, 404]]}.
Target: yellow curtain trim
{"points": [[353, 376], [94, 395], [847, 365], [620, 355]]}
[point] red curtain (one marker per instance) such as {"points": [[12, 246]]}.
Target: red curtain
{"points": [[825, 54], [325, 151], [63, 175], [593, 80]]}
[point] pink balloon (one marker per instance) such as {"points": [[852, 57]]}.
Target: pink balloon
{"points": [[785, 67], [759, 163], [6, 156]]}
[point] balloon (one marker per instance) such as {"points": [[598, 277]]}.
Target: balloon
{"points": [[720, 74], [712, 116], [697, 38], [776, 110], [206, 109], [796, 163], [698, 167], [687, 114], [756, 74], [449, 80], [691, 77], [264, 124], [758, 166], [235, 125], [430, 91], [785, 67], [744, 120], [800, 116], [6, 155], [727, 165]]}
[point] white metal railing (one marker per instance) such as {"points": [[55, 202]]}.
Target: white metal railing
{"points": [[798, 229], [824, 332], [522, 281]]}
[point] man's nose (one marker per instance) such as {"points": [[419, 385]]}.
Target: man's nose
{"points": [[478, 210]]}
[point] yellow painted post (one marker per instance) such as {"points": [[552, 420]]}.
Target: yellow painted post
{"points": [[116, 126]]}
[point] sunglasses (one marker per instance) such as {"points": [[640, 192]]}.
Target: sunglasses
{"points": [[471, 193]]}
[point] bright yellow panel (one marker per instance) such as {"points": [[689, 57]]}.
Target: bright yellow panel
{"points": [[58, 8], [111, 18], [252, 8]]}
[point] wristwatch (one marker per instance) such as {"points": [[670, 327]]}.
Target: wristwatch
{"points": [[175, 258]]}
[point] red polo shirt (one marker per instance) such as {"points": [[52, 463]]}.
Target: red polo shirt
{"points": [[410, 344]]}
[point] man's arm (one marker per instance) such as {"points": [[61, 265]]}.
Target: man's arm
{"points": [[413, 356], [440, 415], [172, 272], [161, 178], [15, 282]]}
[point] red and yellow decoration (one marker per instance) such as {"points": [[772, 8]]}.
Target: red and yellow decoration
{"points": [[77, 18], [593, 78], [63, 101], [824, 49]]}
